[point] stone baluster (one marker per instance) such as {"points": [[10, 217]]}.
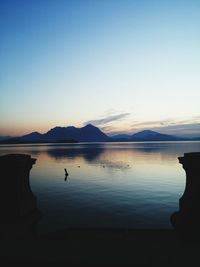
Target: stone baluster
{"points": [[187, 219], [18, 203]]}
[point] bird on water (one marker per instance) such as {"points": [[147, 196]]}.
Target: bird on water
{"points": [[66, 173]]}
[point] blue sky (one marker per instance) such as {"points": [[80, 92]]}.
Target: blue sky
{"points": [[124, 65]]}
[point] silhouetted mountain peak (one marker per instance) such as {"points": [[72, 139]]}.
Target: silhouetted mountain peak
{"points": [[88, 133], [34, 136], [70, 127], [90, 126], [149, 135], [146, 133], [57, 128], [35, 133]]}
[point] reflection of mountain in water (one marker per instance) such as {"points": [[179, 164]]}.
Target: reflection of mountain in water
{"points": [[92, 151], [167, 148], [88, 153]]}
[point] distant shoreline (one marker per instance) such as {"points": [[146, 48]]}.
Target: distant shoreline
{"points": [[88, 134], [4, 142], [76, 142]]}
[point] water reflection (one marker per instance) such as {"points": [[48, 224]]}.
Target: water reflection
{"points": [[121, 165], [134, 185], [89, 154], [169, 149], [93, 151], [66, 174]]}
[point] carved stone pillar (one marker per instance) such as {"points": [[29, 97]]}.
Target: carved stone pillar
{"points": [[187, 219], [18, 203]]}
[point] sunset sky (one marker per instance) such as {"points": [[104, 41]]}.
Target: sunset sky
{"points": [[122, 65]]}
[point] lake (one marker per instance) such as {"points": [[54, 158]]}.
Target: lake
{"points": [[112, 185]]}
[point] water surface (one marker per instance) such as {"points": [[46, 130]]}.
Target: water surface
{"points": [[129, 185]]}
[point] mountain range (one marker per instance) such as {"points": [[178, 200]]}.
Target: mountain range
{"points": [[89, 133], [147, 135]]}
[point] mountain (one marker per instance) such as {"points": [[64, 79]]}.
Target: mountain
{"points": [[4, 137], [148, 135], [88, 133], [32, 137], [121, 137]]}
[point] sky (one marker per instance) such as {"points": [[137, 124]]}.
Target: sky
{"points": [[122, 65]]}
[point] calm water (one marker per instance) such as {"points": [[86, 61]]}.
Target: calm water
{"points": [[130, 185]]}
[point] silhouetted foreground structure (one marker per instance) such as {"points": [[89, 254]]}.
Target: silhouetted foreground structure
{"points": [[19, 213], [19, 217], [187, 219]]}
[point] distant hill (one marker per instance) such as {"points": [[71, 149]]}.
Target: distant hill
{"points": [[4, 137], [90, 133], [122, 137], [33, 137], [147, 135]]}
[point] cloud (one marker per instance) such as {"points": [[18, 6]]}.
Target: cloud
{"points": [[183, 127], [155, 123], [107, 119], [188, 127], [192, 129]]}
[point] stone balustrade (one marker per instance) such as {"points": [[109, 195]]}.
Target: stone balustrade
{"points": [[187, 219]]}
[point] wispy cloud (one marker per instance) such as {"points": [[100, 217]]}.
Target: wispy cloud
{"points": [[167, 122], [108, 119], [186, 127], [192, 129]]}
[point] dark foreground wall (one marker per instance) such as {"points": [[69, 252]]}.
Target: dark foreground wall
{"points": [[18, 203], [91, 246], [187, 220]]}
